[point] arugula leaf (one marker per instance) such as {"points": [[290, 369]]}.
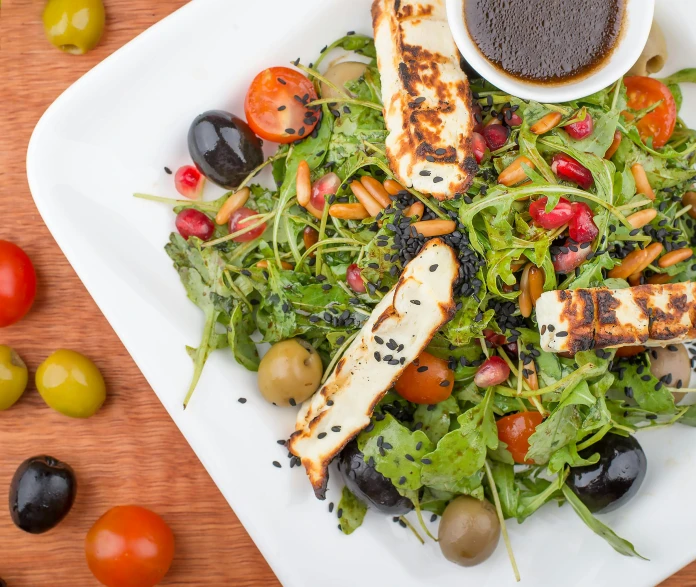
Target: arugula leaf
{"points": [[435, 419], [554, 433], [597, 143], [351, 512], [681, 76], [616, 542], [435, 501], [689, 417], [508, 492], [242, 326], [568, 455], [532, 498], [643, 387]]}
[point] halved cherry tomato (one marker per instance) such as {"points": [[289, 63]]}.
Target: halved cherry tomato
{"points": [[425, 381], [17, 283], [129, 546], [275, 105], [515, 430], [643, 92]]}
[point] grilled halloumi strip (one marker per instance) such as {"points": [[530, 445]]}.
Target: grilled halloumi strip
{"points": [[426, 97], [649, 315], [410, 314]]}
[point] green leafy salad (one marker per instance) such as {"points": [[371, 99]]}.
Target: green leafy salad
{"points": [[559, 202]]}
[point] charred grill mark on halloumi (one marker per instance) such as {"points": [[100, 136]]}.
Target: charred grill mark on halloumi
{"points": [[426, 97], [650, 315], [343, 405]]}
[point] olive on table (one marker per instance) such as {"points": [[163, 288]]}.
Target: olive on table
{"points": [[340, 74], [71, 384], [42, 492], [224, 148], [290, 372], [615, 478], [74, 26], [672, 361], [368, 484], [13, 377], [469, 531]]}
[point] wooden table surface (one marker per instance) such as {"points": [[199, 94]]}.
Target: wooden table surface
{"points": [[130, 452]]}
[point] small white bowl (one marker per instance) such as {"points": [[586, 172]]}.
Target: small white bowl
{"points": [[634, 35]]}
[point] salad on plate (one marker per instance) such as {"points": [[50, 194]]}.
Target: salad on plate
{"points": [[472, 300]]}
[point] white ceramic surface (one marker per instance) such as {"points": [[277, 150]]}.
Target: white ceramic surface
{"points": [[112, 133], [639, 15]]}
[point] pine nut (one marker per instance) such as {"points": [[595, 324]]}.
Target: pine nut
{"points": [[659, 278], [525, 303], [416, 209], [310, 236], [614, 145], [514, 173], [531, 379], [263, 264], [636, 261], [642, 184], [314, 211], [536, 283], [492, 122], [689, 199], [231, 205], [634, 279], [365, 198], [348, 212], [548, 122], [393, 187], [376, 190], [434, 227], [674, 257], [630, 351], [304, 183], [642, 217], [515, 266]]}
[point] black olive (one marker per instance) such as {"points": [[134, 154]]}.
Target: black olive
{"points": [[2, 583], [42, 492], [369, 484], [223, 147], [615, 478]]}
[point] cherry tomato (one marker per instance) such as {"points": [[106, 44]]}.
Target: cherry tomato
{"points": [[238, 222], [425, 381], [129, 546], [17, 283], [557, 217], [643, 92], [275, 105], [515, 430]]}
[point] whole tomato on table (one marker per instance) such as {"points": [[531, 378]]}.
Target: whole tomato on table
{"points": [[17, 283]]}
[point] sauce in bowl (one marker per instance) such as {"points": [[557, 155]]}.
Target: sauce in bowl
{"points": [[545, 41]]}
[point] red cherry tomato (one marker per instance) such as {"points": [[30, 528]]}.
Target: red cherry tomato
{"points": [[582, 228], [515, 430], [129, 546], [643, 92], [17, 283], [275, 105], [238, 222], [427, 380], [559, 215]]}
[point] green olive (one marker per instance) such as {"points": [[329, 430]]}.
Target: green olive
{"points": [[74, 26], [339, 74], [469, 531], [676, 363], [71, 384], [290, 372], [13, 377]]}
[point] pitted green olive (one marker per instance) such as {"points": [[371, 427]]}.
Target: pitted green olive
{"points": [[13, 377], [74, 26], [469, 531], [290, 372], [672, 361], [340, 74]]}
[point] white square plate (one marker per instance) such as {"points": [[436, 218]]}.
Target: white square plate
{"points": [[111, 134]]}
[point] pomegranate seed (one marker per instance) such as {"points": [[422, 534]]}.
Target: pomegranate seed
{"points": [[478, 144], [496, 136], [581, 128], [574, 257], [569, 169], [324, 186], [238, 222], [354, 279], [511, 348], [511, 118], [560, 215], [477, 117], [190, 222], [494, 371], [582, 228], [494, 338], [189, 182]]}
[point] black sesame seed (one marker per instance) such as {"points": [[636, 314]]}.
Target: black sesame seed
{"points": [[426, 461], [415, 302], [290, 131], [321, 435], [402, 480], [242, 400], [167, 171], [335, 428], [339, 513], [438, 179], [562, 334], [377, 356], [281, 108], [331, 507], [444, 383], [277, 465], [433, 268], [408, 457]]}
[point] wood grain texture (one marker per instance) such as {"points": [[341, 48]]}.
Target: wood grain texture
{"points": [[130, 452]]}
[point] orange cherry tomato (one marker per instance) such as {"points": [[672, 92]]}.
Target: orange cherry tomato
{"points": [[426, 381], [275, 105], [129, 546], [643, 92], [515, 430]]}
